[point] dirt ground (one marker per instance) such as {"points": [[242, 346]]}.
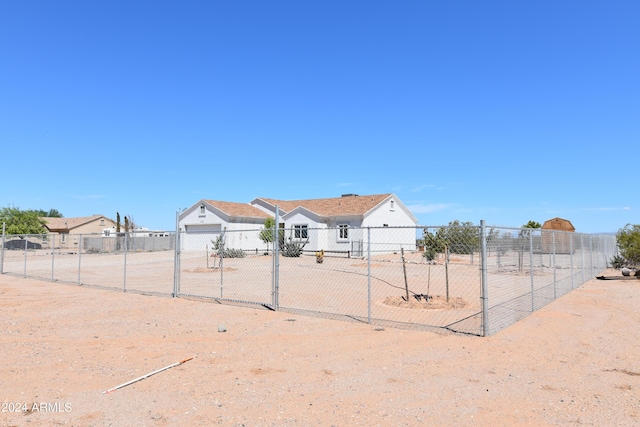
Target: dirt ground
{"points": [[574, 362]]}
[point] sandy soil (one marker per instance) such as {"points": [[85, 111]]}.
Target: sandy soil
{"points": [[575, 362]]}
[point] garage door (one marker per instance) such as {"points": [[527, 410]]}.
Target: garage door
{"points": [[198, 236]]}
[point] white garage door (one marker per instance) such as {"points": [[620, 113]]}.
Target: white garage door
{"points": [[199, 236]]}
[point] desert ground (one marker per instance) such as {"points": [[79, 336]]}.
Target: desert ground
{"points": [[574, 362]]}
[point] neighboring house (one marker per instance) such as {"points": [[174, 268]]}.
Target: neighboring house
{"points": [[333, 224], [70, 229]]}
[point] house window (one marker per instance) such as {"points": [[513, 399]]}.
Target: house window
{"points": [[392, 205], [343, 231], [300, 232], [102, 221], [202, 210], [63, 238]]}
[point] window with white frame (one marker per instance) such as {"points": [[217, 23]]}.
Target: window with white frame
{"points": [[392, 205], [202, 210], [300, 231], [343, 232]]}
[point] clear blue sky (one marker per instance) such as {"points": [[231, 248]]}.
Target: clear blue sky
{"points": [[506, 111]]}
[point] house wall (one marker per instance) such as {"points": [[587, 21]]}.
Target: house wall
{"points": [[316, 231], [387, 239], [391, 214]]}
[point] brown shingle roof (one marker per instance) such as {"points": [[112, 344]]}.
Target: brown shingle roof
{"points": [[69, 223], [337, 206], [238, 209]]}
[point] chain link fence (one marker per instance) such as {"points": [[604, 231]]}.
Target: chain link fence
{"points": [[134, 262], [465, 279]]}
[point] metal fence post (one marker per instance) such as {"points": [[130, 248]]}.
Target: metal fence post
{"points": [[53, 256], [79, 258], [276, 261], [571, 260], [369, 275], [124, 279], [582, 250], [592, 267], [2, 256], [221, 254], [176, 258], [26, 243], [555, 283], [483, 279], [533, 306]]}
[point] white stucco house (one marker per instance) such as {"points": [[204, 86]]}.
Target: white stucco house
{"points": [[206, 220], [333, 224]]}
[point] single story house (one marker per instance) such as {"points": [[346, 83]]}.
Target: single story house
{"points": [[336, 224], [205, 221], [66, 231]]}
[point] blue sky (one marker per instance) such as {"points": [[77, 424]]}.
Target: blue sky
{"points": [[506, 111]]}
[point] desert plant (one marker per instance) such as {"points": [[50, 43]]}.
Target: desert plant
{"points": [[628, 239], [292, 248], [223, 252], [617, 261], [429, 254]]}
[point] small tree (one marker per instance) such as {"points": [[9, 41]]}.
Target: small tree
{"points": [[628, 239], [462, 237], [132, 224], [532, 224], [433, 243], [267, 234]]}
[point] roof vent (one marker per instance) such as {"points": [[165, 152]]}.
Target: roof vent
{"points": [[350, 195]]}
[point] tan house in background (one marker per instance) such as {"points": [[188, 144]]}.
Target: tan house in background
{"points": [[70, 229]]}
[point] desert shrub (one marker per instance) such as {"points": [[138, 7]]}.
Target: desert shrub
{"points": [[223, 252], [430, 254], [231, 253], [617, 262], [628, 239]]}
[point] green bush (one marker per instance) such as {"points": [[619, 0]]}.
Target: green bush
{"points": [[429, 254], [628, 239]]}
